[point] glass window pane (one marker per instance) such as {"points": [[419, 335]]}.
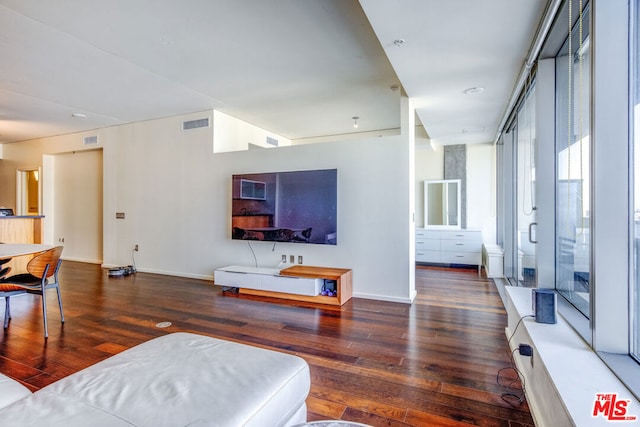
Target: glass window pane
{"points": [[526, 191], [635, 98], [573, 186]]}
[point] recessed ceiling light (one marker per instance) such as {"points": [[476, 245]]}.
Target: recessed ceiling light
{"points": [[474, 90], [79, 115]]}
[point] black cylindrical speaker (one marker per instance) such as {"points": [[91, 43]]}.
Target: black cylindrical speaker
{"points": [[544, 305]]}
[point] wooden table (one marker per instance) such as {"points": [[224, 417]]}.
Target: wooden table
{"points": [[11, 250], [18, 250]]}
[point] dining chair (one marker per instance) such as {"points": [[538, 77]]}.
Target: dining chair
{"points": [[4, 270], [42, 274], [7, 294]]}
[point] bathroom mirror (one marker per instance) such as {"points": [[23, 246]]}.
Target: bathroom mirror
{"points": [[442, 203]]}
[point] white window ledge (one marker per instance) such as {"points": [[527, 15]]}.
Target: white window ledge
{"points": [[564, 375]]}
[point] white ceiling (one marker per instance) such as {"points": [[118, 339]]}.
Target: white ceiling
{"points": [[301, 69]]}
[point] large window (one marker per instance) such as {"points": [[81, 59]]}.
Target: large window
{"points": [[526, 191], [585, 178], [573, 186], [635, 104]]}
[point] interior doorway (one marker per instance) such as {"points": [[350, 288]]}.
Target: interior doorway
{"points": [[29, 191], [75, 210]]}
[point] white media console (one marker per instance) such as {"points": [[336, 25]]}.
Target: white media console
{"points": [[300, 282], [266, 279]]}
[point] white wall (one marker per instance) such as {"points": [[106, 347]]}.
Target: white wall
{"points": [[481, 190], [231, 134], [176, 196]]}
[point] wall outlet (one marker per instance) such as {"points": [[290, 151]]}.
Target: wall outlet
{"points": [[299, 259], [284, 259], [292, 259]]}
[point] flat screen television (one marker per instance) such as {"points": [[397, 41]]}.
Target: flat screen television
{"points": [[295, 207]]}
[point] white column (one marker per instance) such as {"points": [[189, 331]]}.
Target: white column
{"points": [[408, 131]]}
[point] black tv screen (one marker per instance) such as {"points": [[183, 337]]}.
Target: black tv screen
{"points": [[295, 207]]}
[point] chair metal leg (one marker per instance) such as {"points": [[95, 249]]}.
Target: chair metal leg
{"points": [[7, 312], [60, 304], [44, 312]]}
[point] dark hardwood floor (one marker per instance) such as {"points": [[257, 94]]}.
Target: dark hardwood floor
{"points": [[431, 363]]}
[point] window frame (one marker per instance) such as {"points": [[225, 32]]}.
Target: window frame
{"points": [[609, 328]]}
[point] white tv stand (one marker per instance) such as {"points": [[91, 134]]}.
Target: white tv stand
{"points": [[300, 282]]}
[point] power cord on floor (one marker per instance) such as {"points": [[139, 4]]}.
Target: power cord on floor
{"points": [[514, 393], [133, 260]]}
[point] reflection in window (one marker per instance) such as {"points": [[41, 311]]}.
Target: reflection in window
{"points": [[635, 99], [526, 191], [573, 185]]}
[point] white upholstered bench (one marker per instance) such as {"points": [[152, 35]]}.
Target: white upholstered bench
{"points": [[180, 379]]}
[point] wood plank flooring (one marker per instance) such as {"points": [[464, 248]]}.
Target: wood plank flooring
{"points": [[431, 363]]}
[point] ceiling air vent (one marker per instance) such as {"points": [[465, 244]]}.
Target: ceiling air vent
{"points": [[195, 124], [272, 141], [90, 140]]}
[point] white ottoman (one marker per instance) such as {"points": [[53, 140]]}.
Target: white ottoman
{"points": [[176, 380], [11, 391]]}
